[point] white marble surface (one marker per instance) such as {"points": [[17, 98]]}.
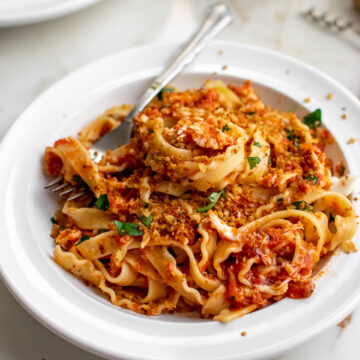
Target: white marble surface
{"points": [[33, 57]]}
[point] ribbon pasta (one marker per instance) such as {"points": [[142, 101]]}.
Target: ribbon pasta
{"points": [[218, 204]]}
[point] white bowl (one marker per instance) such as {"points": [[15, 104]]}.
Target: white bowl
{"points": [[79, 314]]}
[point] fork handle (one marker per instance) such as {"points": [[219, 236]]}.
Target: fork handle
{"points": [[219, 15]]}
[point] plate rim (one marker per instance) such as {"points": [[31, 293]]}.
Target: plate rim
{"points": [[50, 11]]}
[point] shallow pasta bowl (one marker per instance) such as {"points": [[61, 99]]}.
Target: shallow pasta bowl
{"points": [[83, 317]]}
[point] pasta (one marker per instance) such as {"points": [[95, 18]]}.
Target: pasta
{"points": [[219, 204]]}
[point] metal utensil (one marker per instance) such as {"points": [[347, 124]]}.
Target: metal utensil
{"points": [[338, 23], [218, 16]]}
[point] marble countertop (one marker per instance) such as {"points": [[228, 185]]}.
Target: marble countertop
{"points": [[34, 57]]}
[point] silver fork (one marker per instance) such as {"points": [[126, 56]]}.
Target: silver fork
{"points": [[218, 16], [337, 23]]}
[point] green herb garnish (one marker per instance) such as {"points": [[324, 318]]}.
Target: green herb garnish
{"points": [[269, 160], [53, 220], [313, 120], [280, 200], [297, 204], [292, 136], [102, 202], [225, 128], [163, 91], [82, 239], [100, 231], [250, 113], [232, 298], [302, 205], [214, 197], [151, 131], [155, 85], [311, 178], [146, 220], [253, 161], [257, 144], [128, 228], [342, 171], [146, 205]]}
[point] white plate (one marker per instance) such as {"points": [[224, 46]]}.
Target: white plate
{"points": [[78, 314], [23, 12]]}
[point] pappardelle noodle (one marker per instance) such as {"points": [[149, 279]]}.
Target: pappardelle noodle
{"points": [[219, 204]]}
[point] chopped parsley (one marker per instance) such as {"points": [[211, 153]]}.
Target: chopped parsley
{"points": [[292, 136], [257, 144], [313, 120], [155, 85], [297, 204], [151, 131], [232, 298], [250, 113], [100, 231], [225, 128], [280, 200], [102, 202], [146, 220], [146, 205], [302, 205], [82, 239], [253, 161], [214, 197], [269, 160], [53, 220], [311, 178], [128, 228], [163, 91], [342, 171]]}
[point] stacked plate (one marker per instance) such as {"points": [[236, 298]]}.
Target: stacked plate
{"points": [[22, 12]]}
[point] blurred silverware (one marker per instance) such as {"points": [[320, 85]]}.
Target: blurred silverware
{"points": [[338, 23]]}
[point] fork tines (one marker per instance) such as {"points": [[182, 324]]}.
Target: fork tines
{"points": [[58, 184]]}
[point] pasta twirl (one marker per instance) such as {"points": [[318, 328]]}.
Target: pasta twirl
{"points": [[219, 204]]}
